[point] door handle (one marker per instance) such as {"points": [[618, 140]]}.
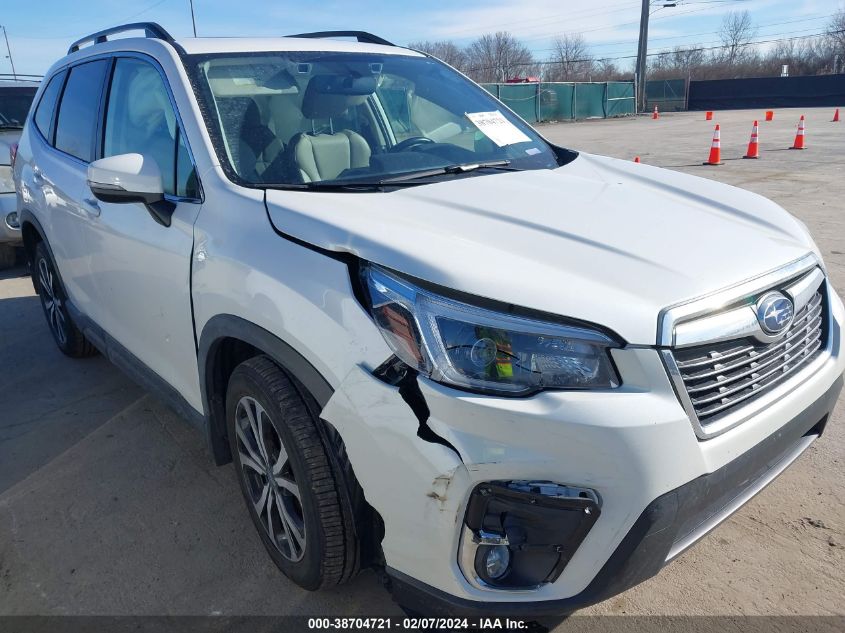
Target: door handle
{"points": [[37, 178], [92, 206]]}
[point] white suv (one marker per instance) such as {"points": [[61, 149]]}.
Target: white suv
{"points": [[516, 378]]}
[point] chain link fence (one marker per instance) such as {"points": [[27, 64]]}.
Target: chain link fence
{"points": [[669, 95]]}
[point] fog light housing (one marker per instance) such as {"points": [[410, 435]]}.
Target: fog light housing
{"points": [[495, 562], [12, 220], [519, 535]]}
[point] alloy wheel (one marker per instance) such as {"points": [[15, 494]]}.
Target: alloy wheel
{"points": [[51, 300], [272, 486]]}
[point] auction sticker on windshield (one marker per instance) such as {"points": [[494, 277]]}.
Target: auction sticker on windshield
{"points": [[497, 128]]}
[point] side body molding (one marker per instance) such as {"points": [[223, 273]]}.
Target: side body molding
{"points": [[227, 326]]}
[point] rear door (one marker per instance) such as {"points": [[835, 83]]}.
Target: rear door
{"points": [[60, 171], [141, 269]]}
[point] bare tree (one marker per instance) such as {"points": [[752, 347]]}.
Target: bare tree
{"points": [[682, 62], [444, 50], [688, 58], [606, 70], [570, 59], [736, 34], [498, 57], [804, 57], [836, 39]]}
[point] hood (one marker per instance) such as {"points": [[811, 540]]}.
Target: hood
{"points": [[599, 239]]}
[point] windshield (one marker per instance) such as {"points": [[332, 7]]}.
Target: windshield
{"points": [[14, 106], [319, 118]]}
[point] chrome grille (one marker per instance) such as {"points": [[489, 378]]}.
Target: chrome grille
{"points": [[720, 377]]}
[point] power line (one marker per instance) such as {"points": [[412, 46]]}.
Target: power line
{"points": [[549, 21], [688, 50], [546, 20], [713, 42], [673, 15], [122, 20], [689, 35]]}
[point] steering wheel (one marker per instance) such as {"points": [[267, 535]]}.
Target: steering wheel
{"points": [[408, 143]]}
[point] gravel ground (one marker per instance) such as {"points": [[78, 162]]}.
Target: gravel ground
{"points": [[109, 503]]}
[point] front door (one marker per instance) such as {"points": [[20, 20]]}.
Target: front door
{"points": [[142, 269]]}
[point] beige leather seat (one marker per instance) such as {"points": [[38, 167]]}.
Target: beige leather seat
{"points": [[285, 118], [325, 156]]}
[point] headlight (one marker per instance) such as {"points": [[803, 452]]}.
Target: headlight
{"points": [[484, 350]]}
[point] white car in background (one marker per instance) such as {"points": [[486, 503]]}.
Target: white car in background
{"points": [[15, 99], [514, 378]]}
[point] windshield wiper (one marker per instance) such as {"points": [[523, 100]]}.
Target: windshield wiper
{"points": [[339, 185], [501, 165], [405, 180], [10, 126]]}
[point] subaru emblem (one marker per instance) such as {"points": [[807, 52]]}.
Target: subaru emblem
{"points": [[775, 312]]}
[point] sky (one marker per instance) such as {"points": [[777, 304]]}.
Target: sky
{"points": [[40, 32]]}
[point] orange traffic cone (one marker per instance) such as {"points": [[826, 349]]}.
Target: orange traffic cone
{"points": [[799, 136], [636, 159], [655, 115], [836, 116], [770, 115], [708, 116], [753, 146], [716, 148]]}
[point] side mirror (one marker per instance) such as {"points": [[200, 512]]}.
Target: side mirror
{"points": [[131, 178]]}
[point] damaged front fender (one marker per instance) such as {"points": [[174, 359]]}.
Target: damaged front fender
{"points": [[407, 479]]}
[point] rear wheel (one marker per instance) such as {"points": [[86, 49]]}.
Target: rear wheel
{"points": [[295, 490], [68, 337]]}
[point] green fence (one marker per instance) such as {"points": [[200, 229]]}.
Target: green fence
{"points": [[669, 95], [536, 102]]}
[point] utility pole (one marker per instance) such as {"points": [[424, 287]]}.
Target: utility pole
{"points": [[642, 51], [193, 19], [9, 48]]}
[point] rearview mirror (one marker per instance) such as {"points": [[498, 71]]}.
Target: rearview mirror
{"points": [[131, 178], [346, 85]]}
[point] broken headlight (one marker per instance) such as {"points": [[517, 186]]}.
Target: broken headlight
{"points": [[480, 349]]}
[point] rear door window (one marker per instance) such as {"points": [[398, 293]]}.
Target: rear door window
{"points": [[76, 127], [43, 117]]}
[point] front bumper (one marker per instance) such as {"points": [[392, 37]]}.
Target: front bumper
{"points": [[660, 487], [667, 526]]}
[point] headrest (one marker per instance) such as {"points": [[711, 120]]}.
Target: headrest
{"points": [[328, 96]]}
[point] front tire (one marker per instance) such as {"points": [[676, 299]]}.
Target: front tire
{"points": [[294, 489], [68, 337]]}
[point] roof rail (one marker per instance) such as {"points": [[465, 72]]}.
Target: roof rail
{"points": [[151, 29], [361, 36], [20, 77]]}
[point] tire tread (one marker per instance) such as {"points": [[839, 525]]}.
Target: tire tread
{"points": [[77, 346], [328, 473]]}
